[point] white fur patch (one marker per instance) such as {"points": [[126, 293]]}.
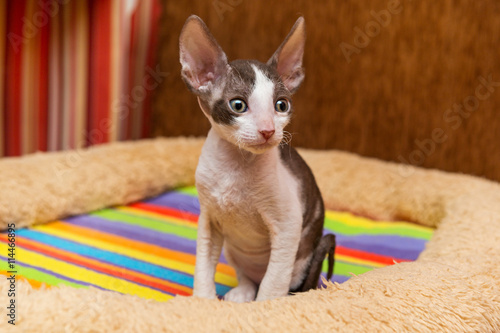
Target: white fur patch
{"points": [[261, 98], [299, 271]]}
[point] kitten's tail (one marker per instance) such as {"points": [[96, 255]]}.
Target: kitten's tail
{"points": [[326, 245]]}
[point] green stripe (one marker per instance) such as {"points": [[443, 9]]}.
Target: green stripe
{"points": [[398, 229], [147, 222], [343, 268], [189, 190]]}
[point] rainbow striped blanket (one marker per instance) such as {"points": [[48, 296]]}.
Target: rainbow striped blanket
{"points": [[148, 248]]}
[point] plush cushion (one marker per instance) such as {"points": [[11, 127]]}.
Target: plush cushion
{"points": [[453, 286]]}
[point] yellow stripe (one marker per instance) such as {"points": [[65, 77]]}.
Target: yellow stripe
{"points": [[358, 261], [144, 256], [361, 222], [82, 274], [169, 219]]}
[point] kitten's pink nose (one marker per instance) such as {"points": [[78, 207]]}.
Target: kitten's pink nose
{"points": [[267, 134]]}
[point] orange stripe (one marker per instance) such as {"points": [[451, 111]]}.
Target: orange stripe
{"points": [[137, 245]]}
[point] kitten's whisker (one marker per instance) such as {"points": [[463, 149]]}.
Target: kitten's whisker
{"points": [[238, 140], [287, 138]]}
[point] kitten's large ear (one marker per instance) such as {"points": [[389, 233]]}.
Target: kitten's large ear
{"points": [[288, 58], [202, 59]]}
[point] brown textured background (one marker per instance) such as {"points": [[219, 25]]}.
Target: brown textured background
{"points": [[395, 91]]}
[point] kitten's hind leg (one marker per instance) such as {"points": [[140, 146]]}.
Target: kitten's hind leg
{"points": [[326, 245]]}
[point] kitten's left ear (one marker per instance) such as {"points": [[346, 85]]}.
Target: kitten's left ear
{"points": [[288, 58]]}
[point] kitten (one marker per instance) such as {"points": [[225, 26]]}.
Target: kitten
{"points": [[258, 198]]}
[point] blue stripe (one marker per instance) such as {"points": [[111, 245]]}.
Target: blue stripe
{"points": [[115, 259]]}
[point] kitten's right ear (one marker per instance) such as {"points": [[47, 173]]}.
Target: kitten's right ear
{"points": [[202, 59]]}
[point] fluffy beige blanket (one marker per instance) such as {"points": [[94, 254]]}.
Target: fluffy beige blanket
{"points": [[454, 286]]}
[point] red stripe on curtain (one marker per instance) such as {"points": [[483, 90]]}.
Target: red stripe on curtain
{"points": [[43, 86], [99, 107], [15, 44], [3, 46]]}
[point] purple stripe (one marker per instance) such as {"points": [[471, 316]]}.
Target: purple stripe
{"points": [[387, 245], [176, 200], [134, 232], [335, 278]]}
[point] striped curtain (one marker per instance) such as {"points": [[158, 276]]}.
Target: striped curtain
{"points": [[75, 73]]}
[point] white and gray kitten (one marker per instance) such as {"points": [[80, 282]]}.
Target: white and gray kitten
{"points": [[259, 200]]}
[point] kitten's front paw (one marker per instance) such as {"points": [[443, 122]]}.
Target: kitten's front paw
{"points": [[263, 296], [198, 292], [241, 294]]}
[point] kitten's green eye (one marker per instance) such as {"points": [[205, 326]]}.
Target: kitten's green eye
{"points": [[282, 105], [238, 105]]}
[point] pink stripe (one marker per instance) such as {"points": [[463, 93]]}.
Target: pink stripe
{"points": [[72, 60]]}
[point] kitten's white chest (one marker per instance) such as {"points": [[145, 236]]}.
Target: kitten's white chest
{"points": [[220, 188], [228, 190], [239, 189]]}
